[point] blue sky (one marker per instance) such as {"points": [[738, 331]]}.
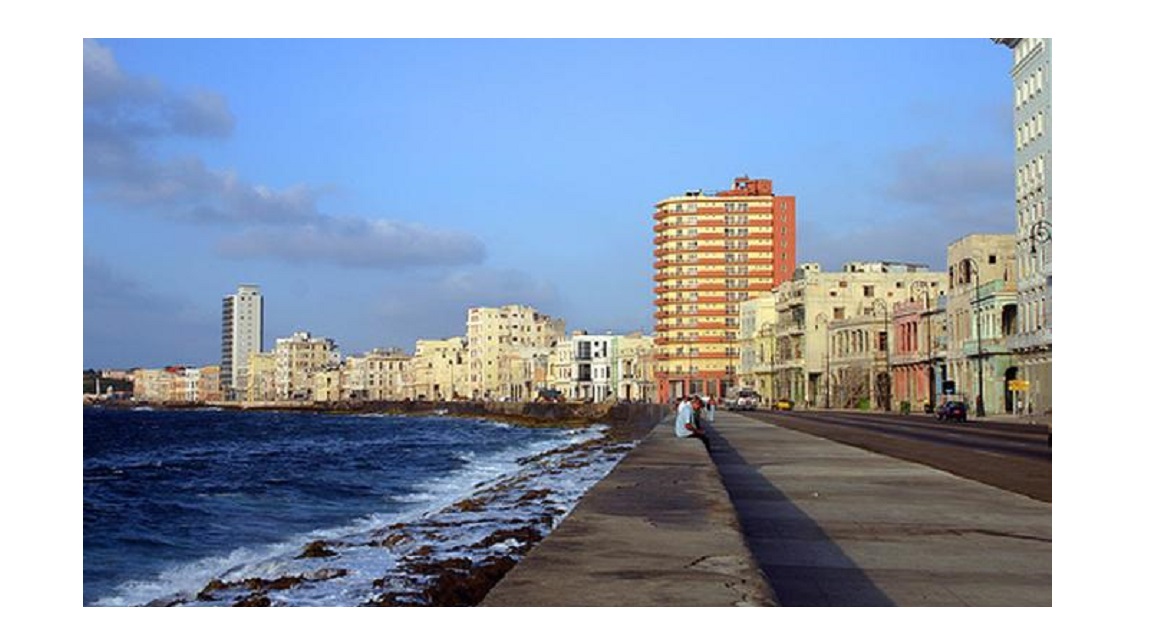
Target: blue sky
{"points": [[375, 189]]}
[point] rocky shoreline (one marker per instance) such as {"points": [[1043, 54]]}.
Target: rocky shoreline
{"points": [[530, 414], [451, 557]]}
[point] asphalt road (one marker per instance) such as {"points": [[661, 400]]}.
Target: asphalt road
{"points": [[1012, 456]]}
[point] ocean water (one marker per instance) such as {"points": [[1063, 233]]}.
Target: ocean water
{"points": [[203, 508]]}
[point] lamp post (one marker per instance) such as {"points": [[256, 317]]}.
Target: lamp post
{"points": [[821, 318], [923, 285], [887, 355], [979, 342]]}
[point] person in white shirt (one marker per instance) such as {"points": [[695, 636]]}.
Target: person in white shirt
{"points": [[688, 423]]}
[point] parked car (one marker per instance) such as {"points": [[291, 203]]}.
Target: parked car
{"points": [[952, 410], [744, 400], [783, 404]]}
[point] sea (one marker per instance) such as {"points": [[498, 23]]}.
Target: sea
{"points": [[209, 507]]}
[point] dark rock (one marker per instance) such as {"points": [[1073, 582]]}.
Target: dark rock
{"points": [[524, 535], [317, 549], [254, 600], [467, 589]]}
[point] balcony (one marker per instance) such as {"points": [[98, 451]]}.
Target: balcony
{"points": [[1033, 341]]}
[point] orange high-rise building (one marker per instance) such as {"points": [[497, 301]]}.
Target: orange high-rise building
{"points": [[713, 251]]}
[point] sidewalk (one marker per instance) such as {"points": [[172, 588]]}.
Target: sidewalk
{"points": [[659, 530], [833, 525]]}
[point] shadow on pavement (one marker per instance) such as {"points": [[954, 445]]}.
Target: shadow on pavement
{"points": [[802, 564]]}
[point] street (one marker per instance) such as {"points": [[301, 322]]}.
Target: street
{"points": [[1008, 455]]}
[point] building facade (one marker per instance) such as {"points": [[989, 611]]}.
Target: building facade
{"points": [[982, 315], [714, 251], [439, 370], [242, 333], [1032, 118], [757, 317], [850, 310], [497, 336], [297, 358], [635, 364]]}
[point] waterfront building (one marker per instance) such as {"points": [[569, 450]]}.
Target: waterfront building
{"points": [[150, 385], [327, 384], [1031, 345], [209, 386], [242, 333], [261, 385], [715, 250], [438, 369], [498, 335], [813, 306], [857, 360], [380, 374], [757, 317], [592, 370], [635, 364], [919, 347], [982, 314], [297, 358]]}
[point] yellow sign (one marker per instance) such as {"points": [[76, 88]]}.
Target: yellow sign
{"points": [[1017, 385]]}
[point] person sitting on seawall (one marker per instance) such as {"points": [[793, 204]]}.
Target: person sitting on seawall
{"points": [[687, 422]]}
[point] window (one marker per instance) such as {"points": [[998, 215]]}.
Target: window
{"points": [[869, 291]]}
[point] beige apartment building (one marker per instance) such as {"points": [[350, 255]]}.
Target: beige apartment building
{"points": [[439, 370], [851, 311], [297, 358], [982, 316], [380, 374], [714, 251], [501, 337], [636, 367], [757, 349], [261, 377]]}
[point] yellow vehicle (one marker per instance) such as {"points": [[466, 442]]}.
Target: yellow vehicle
{"points": [[783, 404]]}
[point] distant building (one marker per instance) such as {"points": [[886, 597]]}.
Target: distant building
{"points": [[261, 383], [380, 374], [757, 357], [438, 370], [297, 358], [714, 251], [1032, 120], [831, 337], [635, 368], [242, 333], [497, 336], [982, 314]]}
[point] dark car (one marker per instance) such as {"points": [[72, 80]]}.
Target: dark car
{"points": [[952, 410]]}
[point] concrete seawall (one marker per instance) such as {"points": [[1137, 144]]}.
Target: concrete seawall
{"points": [[659, 530], [639, 415]]}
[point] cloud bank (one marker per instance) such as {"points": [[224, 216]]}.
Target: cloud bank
{"points": [[125, 117]]}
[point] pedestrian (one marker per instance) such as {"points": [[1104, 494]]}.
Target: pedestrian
{"points": [[688, 421]]}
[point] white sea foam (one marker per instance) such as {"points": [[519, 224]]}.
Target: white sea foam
{"points": [[365, 563]]}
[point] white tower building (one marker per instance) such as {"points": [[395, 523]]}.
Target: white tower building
{"points": [[242, 333]]}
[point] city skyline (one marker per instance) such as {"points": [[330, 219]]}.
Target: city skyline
{"points": [[377, 189]]}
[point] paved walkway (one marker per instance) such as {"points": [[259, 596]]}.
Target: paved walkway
{"points": [[833, 525], [659, 530]]}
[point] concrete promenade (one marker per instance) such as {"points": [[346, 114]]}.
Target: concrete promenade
{"points": [[779, 517], [659, 530]]}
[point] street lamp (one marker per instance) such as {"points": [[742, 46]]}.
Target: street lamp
{"points": [[887, 355], [979, 343], [928, 307], [820, 317]]}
